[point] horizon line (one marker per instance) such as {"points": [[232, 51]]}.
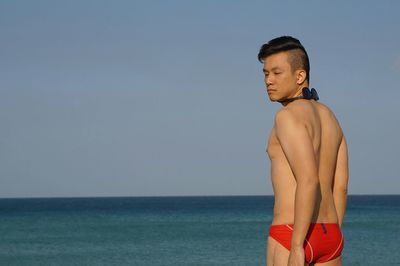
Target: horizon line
{"points": [[165, 196]]}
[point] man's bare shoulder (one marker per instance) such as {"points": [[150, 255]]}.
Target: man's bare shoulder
{"points": [[285, 114], [298, 110], [289, 117], [303, 107], [327, 112], [325, 108]]}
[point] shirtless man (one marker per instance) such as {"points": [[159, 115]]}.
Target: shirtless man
{"points": [[309, 163]]}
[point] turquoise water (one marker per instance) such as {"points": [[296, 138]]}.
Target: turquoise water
{"points": [[176, 231]]}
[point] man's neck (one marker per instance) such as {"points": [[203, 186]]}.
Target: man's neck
{"points": [[297, 93]]}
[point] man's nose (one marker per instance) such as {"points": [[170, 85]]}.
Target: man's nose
{"points": [[268, 81]]}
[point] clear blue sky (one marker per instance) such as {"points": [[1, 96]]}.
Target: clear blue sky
{"points": [[154, 98]]}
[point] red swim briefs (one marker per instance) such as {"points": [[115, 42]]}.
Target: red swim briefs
{"points": [[324, 241]]}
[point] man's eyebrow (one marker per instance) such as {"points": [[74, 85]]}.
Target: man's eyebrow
{"points": [[272, 69]]}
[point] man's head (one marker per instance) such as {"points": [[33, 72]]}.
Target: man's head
{"points": [[286, 66]]}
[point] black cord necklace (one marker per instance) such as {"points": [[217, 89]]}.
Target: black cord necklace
{"points": [[307, 94]]}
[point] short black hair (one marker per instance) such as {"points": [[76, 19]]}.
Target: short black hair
{"points": [[298, 57]]}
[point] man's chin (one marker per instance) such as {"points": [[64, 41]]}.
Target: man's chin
{"points": [[273, 99]]}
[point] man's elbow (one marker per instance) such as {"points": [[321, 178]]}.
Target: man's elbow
{"points": [[311, 182], [340, 190]]}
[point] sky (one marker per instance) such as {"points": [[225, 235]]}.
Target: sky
{"points": [[166, 98]]}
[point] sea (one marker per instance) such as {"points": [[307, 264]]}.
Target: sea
{"points": [[193, 230]]}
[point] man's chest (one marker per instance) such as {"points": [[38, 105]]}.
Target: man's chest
{"points": [[274, 149]]}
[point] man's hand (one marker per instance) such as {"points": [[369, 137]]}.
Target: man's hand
{"points": [[296, 257]]}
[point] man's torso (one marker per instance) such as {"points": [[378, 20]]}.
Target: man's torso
{"points": [[326, 135]]}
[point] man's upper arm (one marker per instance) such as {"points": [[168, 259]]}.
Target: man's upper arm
{"points": [[297, 145], [341, 178]]}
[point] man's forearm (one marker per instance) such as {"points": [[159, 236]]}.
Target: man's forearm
{"points": [[340, 199], [306, 196]]}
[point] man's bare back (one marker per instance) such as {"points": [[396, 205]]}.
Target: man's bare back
{"points": [[330, 153], [326, 135]]}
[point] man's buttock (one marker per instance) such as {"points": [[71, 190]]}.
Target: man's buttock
{"points": [[323, 242]]}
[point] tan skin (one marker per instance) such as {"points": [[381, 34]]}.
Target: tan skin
{"points": [[309, 162]]}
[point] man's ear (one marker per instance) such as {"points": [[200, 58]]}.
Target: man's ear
{"points": [[301, 76]]}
